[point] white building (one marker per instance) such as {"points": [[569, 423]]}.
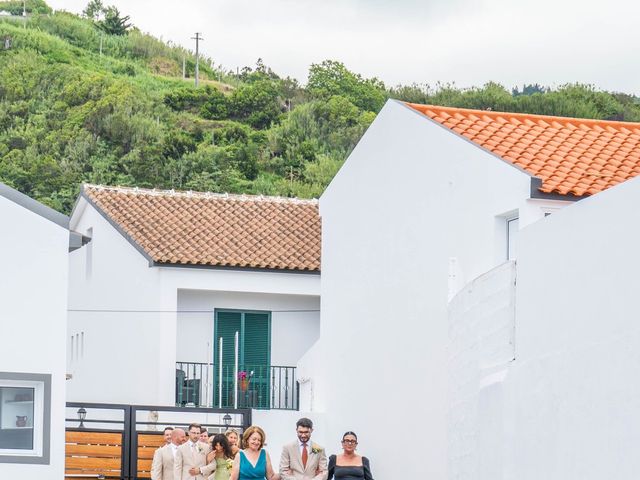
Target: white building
{"points": [[167, 274], [559, 402], [429, 200], [34, 242]]}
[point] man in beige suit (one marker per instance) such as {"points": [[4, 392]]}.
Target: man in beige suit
{"points": [[302, 459], [191, 458], [163, 458]]}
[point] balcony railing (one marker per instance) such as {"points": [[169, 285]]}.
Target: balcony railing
{"points": [[255, 386]]}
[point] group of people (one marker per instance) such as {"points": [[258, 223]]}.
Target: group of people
{"points": [[195, 455]]}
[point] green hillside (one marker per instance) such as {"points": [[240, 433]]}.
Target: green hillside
{"points": [[81, 103]]}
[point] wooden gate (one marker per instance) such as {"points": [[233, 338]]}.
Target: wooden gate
{"points": [[117, 443]]}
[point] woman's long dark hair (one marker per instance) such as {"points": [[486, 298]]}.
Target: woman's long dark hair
{"points": [[224, 443]]}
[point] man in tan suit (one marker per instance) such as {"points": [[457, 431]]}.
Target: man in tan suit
{"points": [[163, 458], [191, 458], [302, 459], [167, 435]]}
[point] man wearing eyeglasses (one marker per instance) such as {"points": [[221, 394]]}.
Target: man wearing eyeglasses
{"points": [[191, 457], [302, 459]]}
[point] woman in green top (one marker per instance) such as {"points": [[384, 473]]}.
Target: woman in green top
{"points": [[221, 454]]}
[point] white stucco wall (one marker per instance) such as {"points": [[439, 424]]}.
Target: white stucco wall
{"points": [[411, 198], [133, 341], [566, 407], [33, 305], [575, 387], [481, 350]]}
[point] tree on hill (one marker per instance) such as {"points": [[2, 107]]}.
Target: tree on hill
{"points": [[94, 9], [331, 78], [113, 23], [529, 90], [15, 7]]}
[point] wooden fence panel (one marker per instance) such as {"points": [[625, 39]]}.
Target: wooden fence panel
{"points": [[93, 453], [148, 443], [94, 438]]}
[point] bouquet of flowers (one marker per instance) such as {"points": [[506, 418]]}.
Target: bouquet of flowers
{"points": [[242, 375], [229, 464], [244, 378]]}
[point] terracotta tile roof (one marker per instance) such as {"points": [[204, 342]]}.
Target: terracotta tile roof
{"points": [[188, 228], [570, 155]]}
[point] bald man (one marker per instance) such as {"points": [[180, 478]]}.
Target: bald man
{"points": [[162, 467]]}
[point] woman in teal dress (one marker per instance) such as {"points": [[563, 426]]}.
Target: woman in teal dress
{"points": [[223, 457], [253, 463]]}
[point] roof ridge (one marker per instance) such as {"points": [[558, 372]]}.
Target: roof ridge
{"points": [[207, 195], [520, 115]]}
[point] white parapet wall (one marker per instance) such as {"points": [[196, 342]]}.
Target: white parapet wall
{"points": [[481, 349], [561, 401], [575, 380]]}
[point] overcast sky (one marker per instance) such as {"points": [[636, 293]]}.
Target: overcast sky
{"points": [[468, 42]]}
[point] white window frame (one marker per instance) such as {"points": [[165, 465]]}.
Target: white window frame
{"points": [[41, 383], [508, 222]]}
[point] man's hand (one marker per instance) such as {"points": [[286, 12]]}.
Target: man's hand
{"points": [[194, 471]]}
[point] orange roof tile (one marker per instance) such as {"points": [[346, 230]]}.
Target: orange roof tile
{"points": [[188, 228], [572, 156]]}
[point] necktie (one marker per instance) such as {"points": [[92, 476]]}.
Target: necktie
{"points": [[305, 455]]}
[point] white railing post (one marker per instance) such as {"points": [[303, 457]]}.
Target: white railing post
{"points": [[220, 374], [235, 375], [207, 383]]}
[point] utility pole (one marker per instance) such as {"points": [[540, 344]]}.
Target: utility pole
{"points": [[197, 38], [184, 67]]}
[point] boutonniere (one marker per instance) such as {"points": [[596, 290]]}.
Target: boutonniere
{"points": [[315, 448], [199, 447]]}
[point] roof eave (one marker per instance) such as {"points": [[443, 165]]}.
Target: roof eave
{"points": [[117, 226], [537, 193], [34, 206], [233, 268]]}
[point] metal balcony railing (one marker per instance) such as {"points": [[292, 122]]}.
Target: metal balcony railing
{"points": [[254, 386]]}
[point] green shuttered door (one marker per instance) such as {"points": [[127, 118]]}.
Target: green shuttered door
{"points": [[256, 339], [227, 324], [254, 355]]}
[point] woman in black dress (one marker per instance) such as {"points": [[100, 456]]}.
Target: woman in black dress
{"points": [[349, 465]]}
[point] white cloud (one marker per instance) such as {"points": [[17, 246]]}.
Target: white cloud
{"points": [[403, 41]]}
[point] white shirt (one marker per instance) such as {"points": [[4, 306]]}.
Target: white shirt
{"points": [[174, 449]]}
